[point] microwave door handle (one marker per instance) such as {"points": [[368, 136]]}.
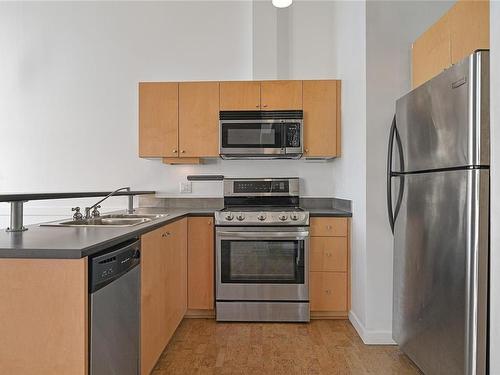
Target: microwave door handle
{"points": [[298, 257]]}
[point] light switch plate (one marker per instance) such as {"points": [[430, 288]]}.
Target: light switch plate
{"points": [[185, 187]]}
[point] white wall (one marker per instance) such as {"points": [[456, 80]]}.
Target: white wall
{"points": [[69, 74], [391, 27], [495, 188]]}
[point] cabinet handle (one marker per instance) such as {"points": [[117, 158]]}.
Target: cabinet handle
{"points": [[328, 291], [329, 227], [328, 254], [306, 150], [174, 151], [166, 234], [257, 106], [265, 105], [183, 151]]}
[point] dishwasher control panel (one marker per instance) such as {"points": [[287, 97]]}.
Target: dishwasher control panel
{"points": [[106, 267]]}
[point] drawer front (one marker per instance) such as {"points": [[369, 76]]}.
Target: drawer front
{"points": [[328, 254], [328, 291], [328, 226]]}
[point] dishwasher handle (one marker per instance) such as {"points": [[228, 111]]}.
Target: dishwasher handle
{"points": [[113, 263]]}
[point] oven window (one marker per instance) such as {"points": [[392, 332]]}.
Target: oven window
{"points": [[251, 135], [262, 262]]}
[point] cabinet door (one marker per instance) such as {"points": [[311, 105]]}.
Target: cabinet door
{"points": [[321, 118], [154, 261], [431, 52], [199, 119], [200, 263], [328, 226], [470, 28], [328, 254], [239, 96], [281, 95], [176, 278], [328, 291], [158, 119]]}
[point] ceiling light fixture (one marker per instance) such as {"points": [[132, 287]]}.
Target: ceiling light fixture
{"points": [[282, 3]]}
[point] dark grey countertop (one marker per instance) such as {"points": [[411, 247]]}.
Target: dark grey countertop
{"points": [[73, 243], [331, 212]]}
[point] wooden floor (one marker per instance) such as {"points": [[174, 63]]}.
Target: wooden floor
{"points": [[202, 346]]}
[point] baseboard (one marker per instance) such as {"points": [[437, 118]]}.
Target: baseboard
{"points": [[328, 315], [370, 337]]}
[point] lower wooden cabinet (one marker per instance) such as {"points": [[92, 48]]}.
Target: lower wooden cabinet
{"points": [[200, 263], [329, 270], [163, 289], [328, 291]]}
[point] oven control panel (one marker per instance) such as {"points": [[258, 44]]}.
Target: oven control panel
{"points": [[295, 218]]}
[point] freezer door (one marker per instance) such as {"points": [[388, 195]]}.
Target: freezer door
{"points": [[441, 271], [445, 122]]}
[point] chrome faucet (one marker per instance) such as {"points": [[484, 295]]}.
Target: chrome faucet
{"points": [[93, 212]]}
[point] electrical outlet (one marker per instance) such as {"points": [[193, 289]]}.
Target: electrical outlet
{"points": [[185, 187]]}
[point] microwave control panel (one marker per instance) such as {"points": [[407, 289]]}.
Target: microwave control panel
{"points": [[293, 135]]}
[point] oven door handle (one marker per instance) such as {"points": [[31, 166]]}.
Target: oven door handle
{"points": [[263, 235]]}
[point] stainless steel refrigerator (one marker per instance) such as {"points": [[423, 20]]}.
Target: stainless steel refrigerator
{"points": [[438, 203]]}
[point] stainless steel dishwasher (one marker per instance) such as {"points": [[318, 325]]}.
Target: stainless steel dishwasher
{"points": [[114, 287]]}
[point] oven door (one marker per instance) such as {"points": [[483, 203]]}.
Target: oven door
{"points": [[262, 264], [251, 138]]}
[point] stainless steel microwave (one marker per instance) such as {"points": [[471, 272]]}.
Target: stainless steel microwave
{"points": [[261, 134]]}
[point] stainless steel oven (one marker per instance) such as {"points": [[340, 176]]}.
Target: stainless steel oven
{"points": [[261, 134]]}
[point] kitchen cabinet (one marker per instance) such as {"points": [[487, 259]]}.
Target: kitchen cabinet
{"points": [[240, 95], [329, 269], [462, 30], [163, 289], [158, 119], [44, 316], [200, 263], [179, 122], [199, 119], [469, 28], [321, 104], [328, 291], [281, 95]]}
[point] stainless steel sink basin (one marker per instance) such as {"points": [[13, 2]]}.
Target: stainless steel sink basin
{"points": [[133, 216], [102, 221], [109, 220]]}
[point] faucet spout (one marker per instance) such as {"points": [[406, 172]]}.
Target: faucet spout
{"points": [[130, 209]]}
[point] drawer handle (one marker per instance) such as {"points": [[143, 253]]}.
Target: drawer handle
{"points": [[166, 234], [328, 254], [328, 291], [329, 227]]}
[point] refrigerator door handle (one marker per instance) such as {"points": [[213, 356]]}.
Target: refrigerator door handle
{"points": [[393, 134]]}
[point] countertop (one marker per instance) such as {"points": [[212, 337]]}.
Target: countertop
{"points": [[43, 242]]}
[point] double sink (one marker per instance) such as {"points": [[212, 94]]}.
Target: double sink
{"points": [[109, 220]]}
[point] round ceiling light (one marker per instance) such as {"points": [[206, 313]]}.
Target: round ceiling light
{"points": [[282, 3]]}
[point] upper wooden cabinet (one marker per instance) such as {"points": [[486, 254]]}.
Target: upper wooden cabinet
{"points": [[462, 30], [244, 95], [321, 118], [158, 119], [201, 263], [199, 119], [469, 28], [281, 95], [179, 122], [431, 53]]}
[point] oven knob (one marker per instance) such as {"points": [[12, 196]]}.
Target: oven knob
{"points": [[229, 216], [294, 216], [240, 217], [261, 216], [283, 217]]}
